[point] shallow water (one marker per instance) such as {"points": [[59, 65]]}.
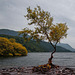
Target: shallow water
{"points": [[34, 59]]}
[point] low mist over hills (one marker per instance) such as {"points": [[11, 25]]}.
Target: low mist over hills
{"points": [[32, 45], [67, 46]]}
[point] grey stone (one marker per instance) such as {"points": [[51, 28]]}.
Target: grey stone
{"points": [[6, 73], [14, 73]]}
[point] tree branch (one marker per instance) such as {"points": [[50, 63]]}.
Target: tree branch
{"points": [[49, 39]]}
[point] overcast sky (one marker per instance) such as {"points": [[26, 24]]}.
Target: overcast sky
{"points": [[12, 14]]}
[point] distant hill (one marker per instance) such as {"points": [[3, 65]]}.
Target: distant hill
{"points": [[67, 46], [32, 45], [8, 32]]}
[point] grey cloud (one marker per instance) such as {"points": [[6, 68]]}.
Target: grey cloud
{"points": [[12, 13]]}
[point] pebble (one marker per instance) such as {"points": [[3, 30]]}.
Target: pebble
{"points": [[28, 71], [5, 73]]}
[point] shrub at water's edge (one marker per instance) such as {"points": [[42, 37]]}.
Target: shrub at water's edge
{"points": [[11, 48], [33, 46]]}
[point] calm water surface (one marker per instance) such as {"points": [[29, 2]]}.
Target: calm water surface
{"points": [[33, 59]]}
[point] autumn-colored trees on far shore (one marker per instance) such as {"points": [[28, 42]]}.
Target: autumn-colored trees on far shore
{"points": [[8, 47]]}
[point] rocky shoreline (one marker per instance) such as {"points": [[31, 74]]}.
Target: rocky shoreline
{"points": [[28, 71]]}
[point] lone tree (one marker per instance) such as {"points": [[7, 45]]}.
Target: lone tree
{"points": [[44, 29]]}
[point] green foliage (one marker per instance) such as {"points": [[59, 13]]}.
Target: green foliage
{"points": [[58, 32], [12, 40], [10, 48], [21, 50], [44, 27], [17, 38], [42, 21], [33, 46], [5, 46]]}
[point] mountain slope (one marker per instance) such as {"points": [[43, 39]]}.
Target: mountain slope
{"points": [[67, 46], [33, 46], [8, 32]]}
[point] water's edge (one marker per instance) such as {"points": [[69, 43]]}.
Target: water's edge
{"points": [[34, 59]]}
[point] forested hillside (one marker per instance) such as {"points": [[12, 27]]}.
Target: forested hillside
{"points": [[33, 46]]}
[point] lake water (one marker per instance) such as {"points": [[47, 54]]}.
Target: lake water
{"points": [[34, 59]]}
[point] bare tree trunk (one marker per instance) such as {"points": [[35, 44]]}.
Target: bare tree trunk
{"points": [[50, 59]]}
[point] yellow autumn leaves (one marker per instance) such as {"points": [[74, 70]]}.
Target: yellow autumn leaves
{"points": [[8, 47], [58, 32], [44, 29], [42, 68]]}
